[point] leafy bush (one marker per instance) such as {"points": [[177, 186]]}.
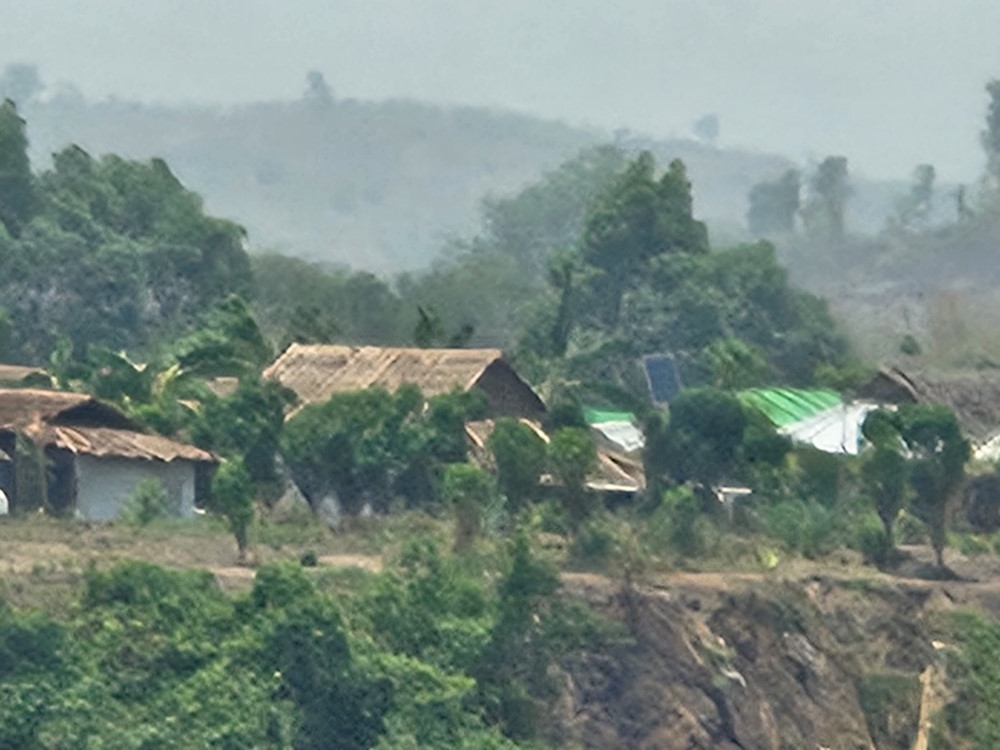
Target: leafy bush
{"points": [[467, 489], [871, 540], [572, 457], [595, 542], [308, 559], [676, 525], [371, 446], [969, 544], [804, 527], [891, 705], [147, 503], [975, 672], [520, 457]]}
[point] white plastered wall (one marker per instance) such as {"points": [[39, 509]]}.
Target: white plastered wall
{"points": [[103, 485]]}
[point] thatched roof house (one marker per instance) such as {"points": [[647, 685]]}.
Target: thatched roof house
{"points": [[974, 396], [93, 454], [315, 372]]}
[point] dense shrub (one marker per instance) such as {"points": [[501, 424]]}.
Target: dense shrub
{"points": [[807, 528], [147, 503], [520, 457]]}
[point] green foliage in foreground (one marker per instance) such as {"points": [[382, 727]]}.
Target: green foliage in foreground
{"points": [[425, 655], [975, 671]]}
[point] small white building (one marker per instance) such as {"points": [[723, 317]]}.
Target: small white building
{"points": [[73, 454]]}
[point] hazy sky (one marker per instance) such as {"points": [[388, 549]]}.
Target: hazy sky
{"points": [[888, 83]]}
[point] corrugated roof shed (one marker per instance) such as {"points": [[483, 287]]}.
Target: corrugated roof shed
{"points": [[784, 406], [317, 371]]}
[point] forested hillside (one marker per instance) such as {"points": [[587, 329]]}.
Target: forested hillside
{"points": [[374, 185], [567, 610]]}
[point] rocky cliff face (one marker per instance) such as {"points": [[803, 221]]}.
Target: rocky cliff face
{"points": [[753, 663]]}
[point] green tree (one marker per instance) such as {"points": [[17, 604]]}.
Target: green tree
{"points": [[638, 218], [466, 489], [147, 503], [937, 467], [703, 436], [915, 207], [736, 364], [706, 128], [774, 205], [245, 425], [990, 136], [549, 215], [884, 470], [520, 458], [830, 189], [295, 300], [232, 498], [6, 333], [511, 671], [372, 446], [228, 342], [571, 457], [17, 191]]}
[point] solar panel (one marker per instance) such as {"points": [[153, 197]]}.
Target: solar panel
{"points": [[662, 377]]}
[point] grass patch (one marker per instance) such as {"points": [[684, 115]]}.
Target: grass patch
{"points": [[891, 705]]}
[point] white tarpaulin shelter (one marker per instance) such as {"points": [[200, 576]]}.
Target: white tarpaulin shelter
{"points": [[833, 430], [623, 435]]}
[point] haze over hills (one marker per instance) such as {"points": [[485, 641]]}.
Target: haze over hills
{"points": [[378, 185]]}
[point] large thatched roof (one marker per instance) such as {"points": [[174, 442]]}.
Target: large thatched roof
{"points": [[317, 371], [82, 424], [974, 395]]}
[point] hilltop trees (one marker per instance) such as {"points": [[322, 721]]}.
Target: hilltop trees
{"points": [[829, 189], [990, 135], [774, 205], [106, 252], [17, 194], [638, 218], [641, 279], [915, 207]]}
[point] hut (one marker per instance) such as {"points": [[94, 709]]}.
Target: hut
{"points": [[315, 372], [76, 455]]}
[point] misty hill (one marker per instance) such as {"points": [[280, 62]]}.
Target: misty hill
{"points": [[376, 185]]}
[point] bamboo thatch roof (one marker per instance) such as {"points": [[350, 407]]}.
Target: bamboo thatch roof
{"points": [[317, 371]]}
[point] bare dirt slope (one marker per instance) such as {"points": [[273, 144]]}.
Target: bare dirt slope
{"points": [[768, 662]]}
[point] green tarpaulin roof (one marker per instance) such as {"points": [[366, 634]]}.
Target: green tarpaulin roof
{"points": [[597, 416], [784, 406]]}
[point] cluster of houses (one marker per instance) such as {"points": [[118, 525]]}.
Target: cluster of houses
{"points": [[85, 457]]}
